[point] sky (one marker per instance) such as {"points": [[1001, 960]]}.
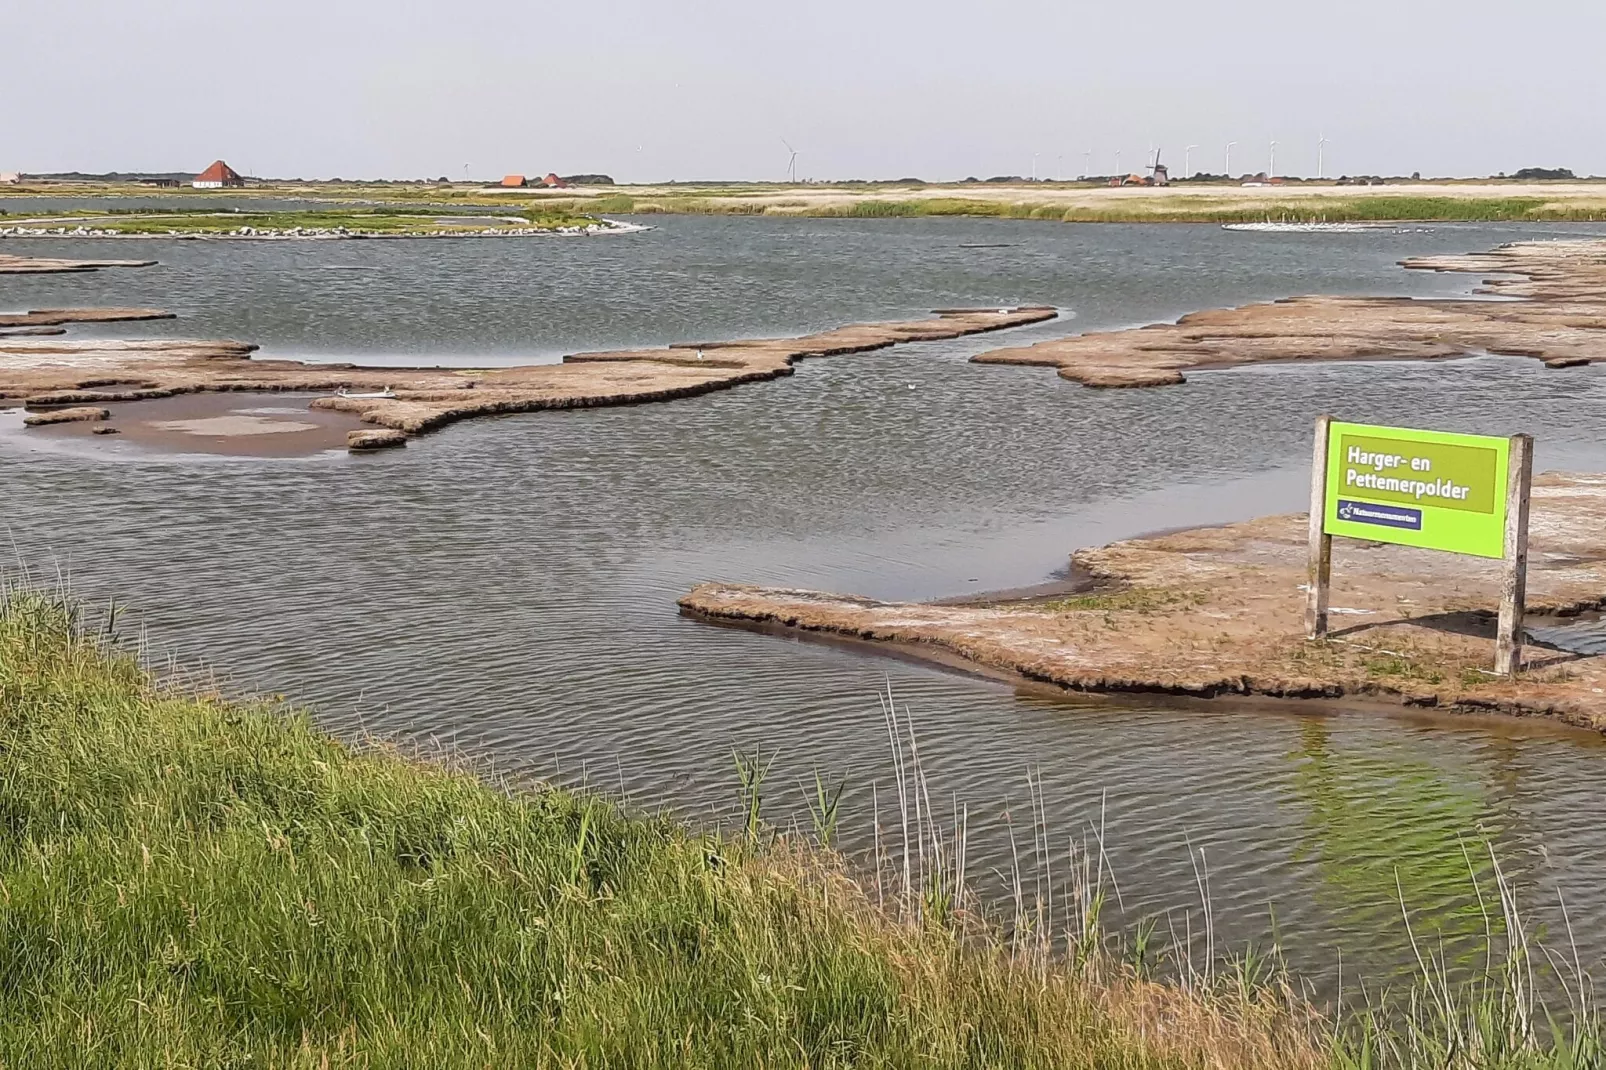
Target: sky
{"points": [[715, 89]]}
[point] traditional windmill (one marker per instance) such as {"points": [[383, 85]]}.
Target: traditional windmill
{"points": [[1158, 175]]}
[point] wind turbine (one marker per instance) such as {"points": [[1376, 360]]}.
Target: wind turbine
{"points": [[1320, 142], [1187, 160], [1087, 167], [1227, 164], [1271, 164], [791, 163], [1117, 161], [1035, 155]]}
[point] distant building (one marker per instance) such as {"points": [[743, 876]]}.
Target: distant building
{"points": [[9, 178], [217, 176], [554, 182], [514, 181]]}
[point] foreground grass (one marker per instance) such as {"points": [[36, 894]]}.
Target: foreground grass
{"points": [[191, 881]]}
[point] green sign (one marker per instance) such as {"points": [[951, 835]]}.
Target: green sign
{"points": [[1434, 489]]}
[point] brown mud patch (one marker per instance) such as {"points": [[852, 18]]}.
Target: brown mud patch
{"points": [[1212, 612], [1556, 314], [235, 425]]}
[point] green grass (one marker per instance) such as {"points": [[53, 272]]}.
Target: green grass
{"points": [[189, 881], [1139, 599]]}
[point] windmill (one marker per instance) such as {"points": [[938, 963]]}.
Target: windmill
{"points": [[1187, 161], [1226, 165], [791, 163], [1321, 143], [1158, 175]]}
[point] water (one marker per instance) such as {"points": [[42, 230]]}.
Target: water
{"points": [[507, 587], [28, 207]]}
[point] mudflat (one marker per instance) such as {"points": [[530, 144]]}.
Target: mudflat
{"points": [[101, 371], [1220, 611], [44, 265], [1556, 313]]}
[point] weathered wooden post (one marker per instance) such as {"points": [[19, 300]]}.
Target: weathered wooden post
{"points": [[1319, 574], [1514, 583]]}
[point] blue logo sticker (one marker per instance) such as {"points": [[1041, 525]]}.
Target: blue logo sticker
{"points": [[1389, 516]]}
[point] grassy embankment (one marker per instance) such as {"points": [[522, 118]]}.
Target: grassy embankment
{"points": [[190, 881], [186, 880], [1160, 208]]}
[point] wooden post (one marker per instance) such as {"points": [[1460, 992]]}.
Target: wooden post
{"points": [[1514, 584], [1319, 575]]}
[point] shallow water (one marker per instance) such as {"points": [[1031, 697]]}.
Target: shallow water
{"points": [[25, 207], [507, 587]]}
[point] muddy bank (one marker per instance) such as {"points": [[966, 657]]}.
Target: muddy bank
{"points": [[1558, 315], [1220, 611], [99, 371], [40, 265]]}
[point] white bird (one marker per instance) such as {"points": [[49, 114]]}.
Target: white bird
{"points": [[699, 354]]}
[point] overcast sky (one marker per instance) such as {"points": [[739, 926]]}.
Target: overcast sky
{"points": [[647, 90]]}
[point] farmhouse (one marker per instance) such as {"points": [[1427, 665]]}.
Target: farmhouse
{"points": [[217, 176]]}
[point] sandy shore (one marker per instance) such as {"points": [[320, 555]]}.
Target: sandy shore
{"points": [[1559, 318], [1219, 611], [1097, 202], [100, 372]]}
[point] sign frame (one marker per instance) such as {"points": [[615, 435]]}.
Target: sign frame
{"points": [[1473, 535]]}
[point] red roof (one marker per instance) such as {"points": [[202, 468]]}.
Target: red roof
{"points": [[219, 172], [513, 180]]}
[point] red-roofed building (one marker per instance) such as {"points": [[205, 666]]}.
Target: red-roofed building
{"points": [[554, 182], [217, 176], [514, 181]]}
